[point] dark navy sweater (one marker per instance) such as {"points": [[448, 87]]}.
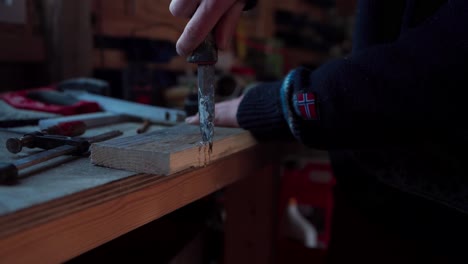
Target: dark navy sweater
{"points": [[392, 113]]}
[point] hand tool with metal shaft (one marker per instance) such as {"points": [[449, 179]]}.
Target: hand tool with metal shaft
{"points": [[44, 138], [206, 56], [79, 146]]}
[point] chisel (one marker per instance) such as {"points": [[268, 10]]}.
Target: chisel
{"points": [[206, 56]]}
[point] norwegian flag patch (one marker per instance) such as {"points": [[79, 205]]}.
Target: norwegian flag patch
{"points": [[305, 106]]}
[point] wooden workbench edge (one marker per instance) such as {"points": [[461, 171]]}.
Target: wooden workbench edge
{"points": [[65, 228]]}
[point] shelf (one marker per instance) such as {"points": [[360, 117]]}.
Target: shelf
{"points": [[115, 59], [295, 57], [144, 18], [22, 48], [141, 19], [300, 7], [18, 43], [125, 27]]}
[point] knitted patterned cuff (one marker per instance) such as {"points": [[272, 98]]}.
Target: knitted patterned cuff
{"points": [[260, 112], [299, 104]]}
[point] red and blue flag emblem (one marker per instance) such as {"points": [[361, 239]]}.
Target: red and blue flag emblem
{"points": [[305, 106]]}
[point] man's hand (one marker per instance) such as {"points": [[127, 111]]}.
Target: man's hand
{"points": [[226, 114], [204, 16]]}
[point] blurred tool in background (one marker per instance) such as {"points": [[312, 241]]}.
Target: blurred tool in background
{"points": [[53, 99], [9, 172], [37, 138]]}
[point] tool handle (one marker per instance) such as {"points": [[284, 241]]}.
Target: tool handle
{"points": [[69, 129], [8, 172], [206, 52]]}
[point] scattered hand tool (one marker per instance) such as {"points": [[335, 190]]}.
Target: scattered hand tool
{"points": [[51, 137], [91, 120], [75, 146], [69, 129], [206, 56], [49, 100], [155, 114], [146, 125], [117, 111]]}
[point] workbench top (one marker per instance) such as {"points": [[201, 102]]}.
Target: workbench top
{"points": [[56, 178], [67, 206]]}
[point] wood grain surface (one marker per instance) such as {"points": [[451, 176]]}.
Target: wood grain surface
{"points": [[168, 151]]}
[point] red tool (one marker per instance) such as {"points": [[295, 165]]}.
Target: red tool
{"points": [[48, 99]]}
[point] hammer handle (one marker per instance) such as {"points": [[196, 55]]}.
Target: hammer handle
{"points": [[8, 172]]}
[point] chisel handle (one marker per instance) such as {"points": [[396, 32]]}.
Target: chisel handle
{"points": [[8, 172], [69, 129], [206, 52]]}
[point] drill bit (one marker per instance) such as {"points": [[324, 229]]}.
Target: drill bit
{"points": [[206, 55]]}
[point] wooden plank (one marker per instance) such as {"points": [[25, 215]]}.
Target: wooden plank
{"points": [[168, 151], [77, 223]]}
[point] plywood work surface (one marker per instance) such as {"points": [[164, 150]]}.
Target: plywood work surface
{"points": [[170, 150]]}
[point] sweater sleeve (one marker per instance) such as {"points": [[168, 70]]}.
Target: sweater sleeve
{"points": [[387, 93], [260, 112], [391, 93], [377, 22]]}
